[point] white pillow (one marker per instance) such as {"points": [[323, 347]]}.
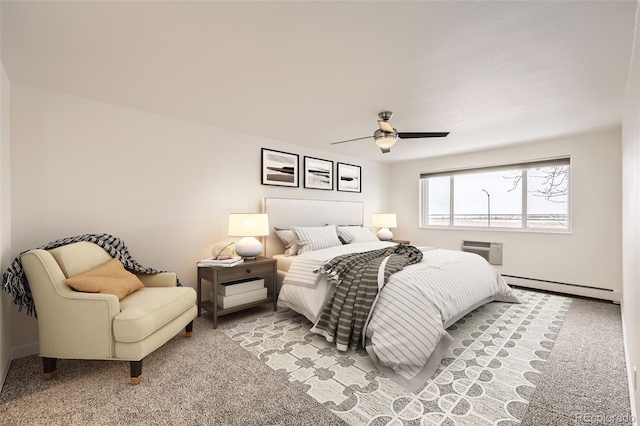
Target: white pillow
{"points": [[289, 240], [356, 234], [316, 237]]}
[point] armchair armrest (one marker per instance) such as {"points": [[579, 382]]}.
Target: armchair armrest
{"points": [[71, 324], [80, 327], [162, 279]]}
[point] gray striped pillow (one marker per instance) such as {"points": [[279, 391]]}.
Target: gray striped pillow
{"points": [[316, 237], [356, 234]]}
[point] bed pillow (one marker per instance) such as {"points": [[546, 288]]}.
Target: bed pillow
{"points": [[108, 278], [356, 234], [316, 237], [342, 240], [289, 240]]}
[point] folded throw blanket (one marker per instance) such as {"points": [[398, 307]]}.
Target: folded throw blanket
{"points": [[356, 277], [14, 280]]}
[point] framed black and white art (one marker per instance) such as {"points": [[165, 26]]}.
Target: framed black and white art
{"points": [[318, 174], [349, 178], [280, 168]]}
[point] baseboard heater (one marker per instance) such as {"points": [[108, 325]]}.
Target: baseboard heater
{"points": [[557, 282]]}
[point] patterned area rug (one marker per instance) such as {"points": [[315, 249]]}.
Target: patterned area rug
{"points": [[487, 376]]}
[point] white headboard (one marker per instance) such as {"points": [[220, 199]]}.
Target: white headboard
{"points": [[285, 212]]}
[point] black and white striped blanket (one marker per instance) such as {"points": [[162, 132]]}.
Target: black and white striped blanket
{"points": [[14, 280], [356, 276]]}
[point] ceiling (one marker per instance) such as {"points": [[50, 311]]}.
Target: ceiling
{"points": [[311, 73]]}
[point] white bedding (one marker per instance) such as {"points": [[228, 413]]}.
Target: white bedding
{"points": [[406, 335]]}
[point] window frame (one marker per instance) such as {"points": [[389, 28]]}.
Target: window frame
{"points": [[423, 196]]}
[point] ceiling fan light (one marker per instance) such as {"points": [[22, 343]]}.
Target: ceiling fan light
{"points": [[385, 139], [386, 142]]}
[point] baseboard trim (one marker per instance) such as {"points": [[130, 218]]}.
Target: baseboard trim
{"points": [[627, 360], [3, 373], [558, 287], [25, 350], [15, 353]]}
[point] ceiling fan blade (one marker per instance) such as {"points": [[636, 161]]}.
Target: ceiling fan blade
{"points": [[385, 150], [351, 140], [415, 135], [385, 126]]}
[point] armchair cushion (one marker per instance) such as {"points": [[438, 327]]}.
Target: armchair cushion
{"points": [[149, 309], [108, 278]]}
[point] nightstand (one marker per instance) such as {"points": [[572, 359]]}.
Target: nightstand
{"points": [[260, 267], [401, 241]]}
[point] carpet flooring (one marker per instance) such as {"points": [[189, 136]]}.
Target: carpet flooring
{"points": [[203, 380], [211, 380], [585, 378]]}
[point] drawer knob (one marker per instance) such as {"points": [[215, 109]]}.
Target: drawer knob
{"points": [[248, 271]]}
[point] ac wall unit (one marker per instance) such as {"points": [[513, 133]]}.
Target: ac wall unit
{"points": [[490, 251]]}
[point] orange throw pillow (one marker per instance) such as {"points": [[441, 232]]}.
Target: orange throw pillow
{"points": [[108, 278]]}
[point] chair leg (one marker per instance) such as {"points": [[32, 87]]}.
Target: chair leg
{"points": [[189, 329], [136, 371], [49, 365]]}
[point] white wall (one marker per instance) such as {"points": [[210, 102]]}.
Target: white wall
{"points": [[163, 185], [589, 255], [5, 223], [631, 213]]}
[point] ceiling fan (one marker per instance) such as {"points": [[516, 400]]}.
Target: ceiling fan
{"points": [[386, 136]]}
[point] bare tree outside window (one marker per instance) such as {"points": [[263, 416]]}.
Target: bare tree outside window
{"points": [[554, 186], [547, 195]]}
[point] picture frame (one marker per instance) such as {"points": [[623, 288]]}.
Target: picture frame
{"points": [[349, 178], [280, 168], [318, 173]]}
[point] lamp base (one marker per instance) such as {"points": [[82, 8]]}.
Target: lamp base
{"points": [[384, 234], [248, 248]]}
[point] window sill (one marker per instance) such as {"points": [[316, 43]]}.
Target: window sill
{"points": [[479, 228]]}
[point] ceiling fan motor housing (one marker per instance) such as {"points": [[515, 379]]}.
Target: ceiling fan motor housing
{"points": [[385, 139], [385, 115]]}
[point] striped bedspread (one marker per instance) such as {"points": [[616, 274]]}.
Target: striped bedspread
{"points": [[406, 332], [406, 335]]}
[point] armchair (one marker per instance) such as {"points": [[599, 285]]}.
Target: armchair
{"points": [[77, 325]]}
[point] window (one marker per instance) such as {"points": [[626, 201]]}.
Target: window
{"points": [[520, 196]]}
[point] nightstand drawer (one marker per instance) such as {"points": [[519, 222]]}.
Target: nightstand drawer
{"points": [[244, 271]]}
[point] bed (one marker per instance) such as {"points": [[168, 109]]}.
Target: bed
{"points": [[405, 333]]}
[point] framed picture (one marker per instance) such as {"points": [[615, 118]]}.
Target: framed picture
{"points": [[279, 168], [349, 178], [318, 174]]}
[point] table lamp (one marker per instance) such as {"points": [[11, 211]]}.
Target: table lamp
{"points": [[384, 221], [249, 226]]}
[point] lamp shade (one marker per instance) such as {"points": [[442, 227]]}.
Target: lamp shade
{"points": [[384, 220], [248, 225]]}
